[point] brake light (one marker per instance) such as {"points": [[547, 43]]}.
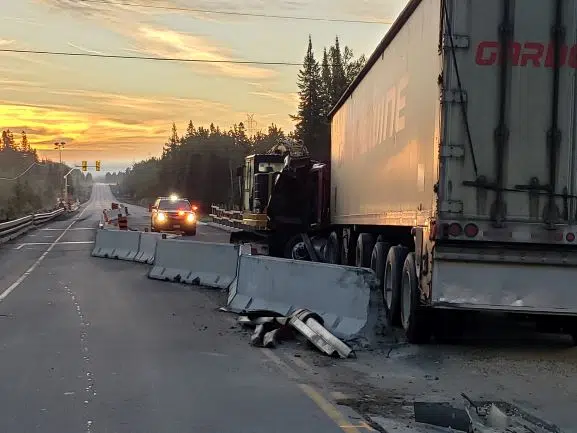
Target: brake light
{"points": [[455, 230], [471, 230], [570, 237], [180, 213]]}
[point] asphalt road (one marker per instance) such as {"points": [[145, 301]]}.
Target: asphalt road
{"points": [[92, 345]]}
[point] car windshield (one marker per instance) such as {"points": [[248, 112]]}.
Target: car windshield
{"points": [[174, 205]]}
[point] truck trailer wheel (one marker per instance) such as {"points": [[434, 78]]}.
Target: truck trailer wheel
{"points": [[392, 282], [364, 250], [295, 249], [378, 259], [413, 316]]}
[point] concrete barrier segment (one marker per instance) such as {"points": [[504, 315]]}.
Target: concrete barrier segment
{"points": [[199, 263], [341, 295], [115, 244], [147, 247]]}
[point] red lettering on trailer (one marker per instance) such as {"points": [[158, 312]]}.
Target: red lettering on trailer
{"points": [[525, 54]]}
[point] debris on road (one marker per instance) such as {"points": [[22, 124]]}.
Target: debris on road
{"points": [[481, 417], [271, 328]]}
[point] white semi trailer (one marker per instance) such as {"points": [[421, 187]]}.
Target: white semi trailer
{"points": [[452, 171], [453, 162]]}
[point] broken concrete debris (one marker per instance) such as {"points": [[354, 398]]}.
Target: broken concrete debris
{"points": [[481, 417], [271, 328]]}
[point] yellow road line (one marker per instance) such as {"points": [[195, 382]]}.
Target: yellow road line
{"points": [[329, 409], [332, 412]]}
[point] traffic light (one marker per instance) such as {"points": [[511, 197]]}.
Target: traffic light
{"points": [[97, 165], [84, 166]]}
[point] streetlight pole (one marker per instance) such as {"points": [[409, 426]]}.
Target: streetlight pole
{"points": [[59, 145], [66, 185]]}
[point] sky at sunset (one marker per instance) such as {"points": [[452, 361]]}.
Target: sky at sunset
{"points": [[120, 111]]}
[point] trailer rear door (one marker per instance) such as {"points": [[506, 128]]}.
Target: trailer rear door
{"points": [[508, 152]]}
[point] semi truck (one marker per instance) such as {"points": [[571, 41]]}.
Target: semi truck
{"points": [[452, 171]]}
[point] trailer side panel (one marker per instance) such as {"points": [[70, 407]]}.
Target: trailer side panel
{"points": [[385, 134]]}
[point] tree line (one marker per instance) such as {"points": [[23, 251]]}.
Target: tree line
{"points": [[24, 192], [201, 163]]}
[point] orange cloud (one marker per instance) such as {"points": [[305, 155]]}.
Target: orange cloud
{"points": [[118, 126], [169, 43], [289, 98]]}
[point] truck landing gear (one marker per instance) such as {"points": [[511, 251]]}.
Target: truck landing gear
{"points": [[414, 318], [333, 249], [365, 245]]}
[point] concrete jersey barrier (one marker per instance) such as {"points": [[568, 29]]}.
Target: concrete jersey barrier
{"points": [[199, 263], [113, 244], [147, 247], [339, 294]]}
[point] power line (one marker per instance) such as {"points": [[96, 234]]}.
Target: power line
{"points": [[30, 167], [243, 14], [161, 59]]}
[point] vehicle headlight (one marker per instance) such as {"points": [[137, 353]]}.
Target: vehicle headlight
{"points": [[161, 217], [190, 218]]}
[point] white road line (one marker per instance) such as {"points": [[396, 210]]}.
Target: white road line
{"points": [[74, 229], [27, 244], [26, 274]]}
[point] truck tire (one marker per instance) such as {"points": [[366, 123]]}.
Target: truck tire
{"points": [[393, 277], [378, 259], [365, 245], [414, 317], [289, 249], [333, 249]]}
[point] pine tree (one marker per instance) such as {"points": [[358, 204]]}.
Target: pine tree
{"points": [[308, 119], [326, 86], [352, 67], [190, 131], [339, 76], [8, 140], [173, 141], [24, 145]]}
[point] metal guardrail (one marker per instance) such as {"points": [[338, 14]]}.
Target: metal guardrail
{"points": [[11, 229], [238, 219]]}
